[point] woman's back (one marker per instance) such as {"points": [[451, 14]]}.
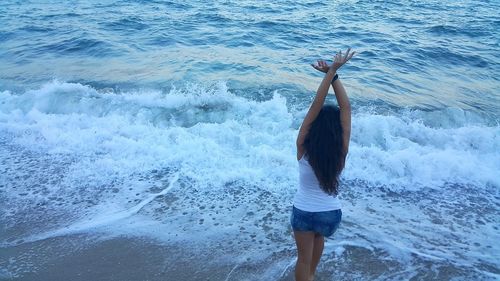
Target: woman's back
{"points": [[310, 197]]}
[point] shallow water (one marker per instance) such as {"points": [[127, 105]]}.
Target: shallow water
{"points": [[176, 121]]}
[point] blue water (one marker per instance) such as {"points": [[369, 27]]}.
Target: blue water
{"points": [[108, 106], [427, 54]]}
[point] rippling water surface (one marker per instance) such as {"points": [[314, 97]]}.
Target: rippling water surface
{"points": [[176, 120]]}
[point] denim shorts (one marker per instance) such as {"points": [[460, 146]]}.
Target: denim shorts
{"points": [[324, 223]]}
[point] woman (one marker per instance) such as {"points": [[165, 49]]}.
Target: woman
{"points": [[322, 146]]}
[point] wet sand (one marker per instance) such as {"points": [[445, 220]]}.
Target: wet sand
{"points": [[121, 258], [80, 257], [114, 259]]}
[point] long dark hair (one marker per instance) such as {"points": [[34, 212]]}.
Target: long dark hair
{"points": [[324, 148]]}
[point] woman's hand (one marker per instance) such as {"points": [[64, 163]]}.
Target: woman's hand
{"points": [[321, 65], [338, 62], [340, 59]]}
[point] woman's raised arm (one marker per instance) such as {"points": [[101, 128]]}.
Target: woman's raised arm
{"points": [[319, 100], [314, 110], [345, 113]]}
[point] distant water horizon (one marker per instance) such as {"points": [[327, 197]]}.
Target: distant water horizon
{"points": [[175, 121]]}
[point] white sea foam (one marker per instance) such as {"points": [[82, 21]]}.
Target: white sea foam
{"points": [[211, 125], [234, 157]]}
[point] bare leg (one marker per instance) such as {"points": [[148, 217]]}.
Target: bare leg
{"points": [[305, 244], [319, 244]]}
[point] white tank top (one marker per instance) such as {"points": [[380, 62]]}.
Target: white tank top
{"points": [[310, 197]]}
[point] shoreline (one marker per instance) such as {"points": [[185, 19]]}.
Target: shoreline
{"points": [[118, 258], [123, 258]]}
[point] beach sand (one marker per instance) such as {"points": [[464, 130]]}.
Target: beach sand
{"points": [[121, 258], [80, 257], [114, 259]]}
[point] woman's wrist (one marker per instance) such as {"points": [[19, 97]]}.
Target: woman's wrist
{"points": [[335, 77], [331, 74]]}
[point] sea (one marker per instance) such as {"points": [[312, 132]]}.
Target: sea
{"points": [[174, 122]]}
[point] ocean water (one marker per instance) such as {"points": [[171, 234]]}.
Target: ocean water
{"points": [[175, 121]]}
